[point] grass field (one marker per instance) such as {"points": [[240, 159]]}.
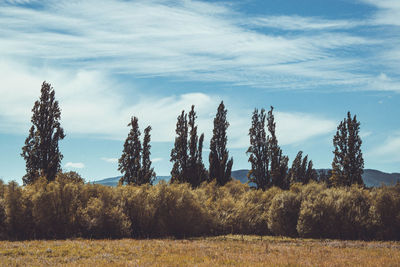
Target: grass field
{"points": [[213, 251]]}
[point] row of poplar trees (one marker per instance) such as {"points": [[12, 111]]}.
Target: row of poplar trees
{"points": [[186, 155], [269, 167]]}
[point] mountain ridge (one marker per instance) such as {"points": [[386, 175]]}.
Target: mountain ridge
{"points": [[371, 177]]}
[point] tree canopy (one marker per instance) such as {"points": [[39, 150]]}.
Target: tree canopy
{"points": [[41, 152], [220, 167], [348, 162]]}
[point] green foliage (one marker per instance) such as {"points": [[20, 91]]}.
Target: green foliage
{"points": [[135, 163], [259, 158], [283, 213], [41, 152], [103, 217], [68, 208], [302, 170], [279, 163], [186, 155], [220, 165], [179, 154], [385, 212], [268, 165], [335, 213], [348, 162]]}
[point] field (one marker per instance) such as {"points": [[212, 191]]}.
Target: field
{"points": [[212, 251]]}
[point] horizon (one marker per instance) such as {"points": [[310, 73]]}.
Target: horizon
{"points": [[111, 60]]}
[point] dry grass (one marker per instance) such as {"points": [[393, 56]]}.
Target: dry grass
{"points": [[213, 251]]}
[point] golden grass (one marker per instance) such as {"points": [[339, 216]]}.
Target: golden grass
{"points": [[212, 251]]}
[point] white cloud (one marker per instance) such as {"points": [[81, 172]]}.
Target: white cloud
{"points": [[304, 23], [388, 13], [90, 107], [292, 128], [156, 159], [110, 160], [74, 165], [189, 40], [389, 151], [365, 134]]}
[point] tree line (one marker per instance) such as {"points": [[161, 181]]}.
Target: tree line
{"points": [[269, 166], [69, 208], [284, 201]]}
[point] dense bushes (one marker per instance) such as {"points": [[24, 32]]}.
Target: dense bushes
{"points": [[67, 208]]}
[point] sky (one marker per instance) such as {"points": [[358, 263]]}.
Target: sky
{"points": [[312, 60]]}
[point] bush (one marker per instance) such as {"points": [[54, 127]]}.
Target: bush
{"points": [[103, 217], [283, 214], [67, 208], [317, 215], [385, 212], [335, 213]]}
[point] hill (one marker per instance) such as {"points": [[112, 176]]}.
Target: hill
{"points": [[372, 178]]}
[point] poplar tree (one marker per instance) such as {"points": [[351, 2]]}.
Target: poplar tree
{"points": [[302, 170], [268, 166], [348, 162], [279, 163], [259, 157], [147, 174], [41, 152], [135, 163], [179, 154], [187, 154], [220, 165]]}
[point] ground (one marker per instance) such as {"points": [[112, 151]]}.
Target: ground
{"points": [[211, 251]]}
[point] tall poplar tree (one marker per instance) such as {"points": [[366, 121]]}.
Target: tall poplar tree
{"points": [[348, 162], [268, 166], [302, 170], [187, 154], [279, 163], [41, 152], [147, 172], [220, 165], [179, 154], [259, 157], [135, 163]]}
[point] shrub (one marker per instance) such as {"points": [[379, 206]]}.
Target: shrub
{"points": [[317, 215], [283, 214], [103, 217], [335, 213], [385, 212]]}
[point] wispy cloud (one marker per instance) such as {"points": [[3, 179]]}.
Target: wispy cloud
{"points": [[110, 160], [388, 11], [74, 165], [304, 23], [157, 159], [387, 152], [78, 48], [188, 40]]}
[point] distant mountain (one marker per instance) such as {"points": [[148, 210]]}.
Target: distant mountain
{"points": [[370, 177], [113, 181], [376, 178]]}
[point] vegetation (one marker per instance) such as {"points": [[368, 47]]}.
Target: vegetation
{"points": [[135, 163], [268, 166], [67, 208], [41, 152], [348, 162], [220, 165], [187, 154], [302, 170], [217, 251], [53, 204]]}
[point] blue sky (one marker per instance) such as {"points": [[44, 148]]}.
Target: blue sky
{"points": [[110, 60]]}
